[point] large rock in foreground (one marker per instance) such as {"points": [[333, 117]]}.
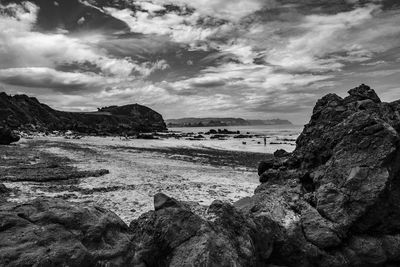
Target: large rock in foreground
{"points": [[174, 235], [338, 194], [7, 136], [51, 232]]}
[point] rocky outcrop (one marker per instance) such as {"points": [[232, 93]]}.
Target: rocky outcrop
{"points": [[21, 112], [338, 194], [7, 136]]}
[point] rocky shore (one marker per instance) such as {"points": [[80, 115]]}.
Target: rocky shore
{"points": [[334, 201]]}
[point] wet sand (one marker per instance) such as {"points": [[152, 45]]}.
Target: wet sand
{"points": [[135, 173]]}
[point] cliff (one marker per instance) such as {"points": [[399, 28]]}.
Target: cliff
{"points": [[21, 112]]}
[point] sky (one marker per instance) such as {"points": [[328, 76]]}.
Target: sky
{"points": [[255, 59]]}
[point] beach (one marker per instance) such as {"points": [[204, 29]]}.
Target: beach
{"points": [[197, 171]]}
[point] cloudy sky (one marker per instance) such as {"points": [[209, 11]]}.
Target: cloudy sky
{"points": [[242, 58]]}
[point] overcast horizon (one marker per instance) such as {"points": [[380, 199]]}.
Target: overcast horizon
{"points": [[251, 59]]}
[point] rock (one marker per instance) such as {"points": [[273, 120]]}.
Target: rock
{"points": [[265, 165], [52, 232], [3, 189], [269, 174], [162, 201], [337, 194], [364, 92], [175, 236], [281, 153], [7, 136]]}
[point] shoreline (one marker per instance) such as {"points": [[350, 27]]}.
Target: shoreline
{"points": [[124, 179]]}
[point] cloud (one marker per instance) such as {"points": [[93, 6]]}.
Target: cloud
{"points": [[232, 10], [249, 58], [66, 82], [318, 37], [180, 28], [21, 46]]}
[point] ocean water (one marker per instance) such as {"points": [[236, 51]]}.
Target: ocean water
{"points": [[277, 137]]}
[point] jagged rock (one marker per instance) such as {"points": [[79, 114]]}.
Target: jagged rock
{"points": [[52, 232], [7, 136], [281, 153], [265, 165], [175, 236], [341, 187], [162, 201]]}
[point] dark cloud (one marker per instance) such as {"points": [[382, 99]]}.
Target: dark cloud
{"points": [[65, 82]]}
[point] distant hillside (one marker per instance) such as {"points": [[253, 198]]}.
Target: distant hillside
{"points": [[21, 112], [218, 122]]}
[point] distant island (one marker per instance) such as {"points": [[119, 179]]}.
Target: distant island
{"points": [[217, 122]]}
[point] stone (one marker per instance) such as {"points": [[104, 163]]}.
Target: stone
{"points": [[265, 165], [281, 153], [7, 136], [175, 236], [52, 232], [162, 201]]}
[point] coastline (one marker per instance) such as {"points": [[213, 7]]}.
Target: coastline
{"points": [[124, 178]]}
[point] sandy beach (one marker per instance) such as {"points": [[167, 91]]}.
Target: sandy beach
{"points": [[135, 173]]}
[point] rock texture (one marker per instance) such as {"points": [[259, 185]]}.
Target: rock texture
{"points": [[174, 235], [27, 113], [50, 232], [7, 136]]}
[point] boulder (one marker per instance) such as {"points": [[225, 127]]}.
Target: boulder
{"points": [[7, 136], [52, 232], [281, 153], [173, 235]]}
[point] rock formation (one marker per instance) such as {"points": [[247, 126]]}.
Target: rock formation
{"points": [[338, 194], [334, 201], [7, 136], [51, 232], [27, 113]]}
